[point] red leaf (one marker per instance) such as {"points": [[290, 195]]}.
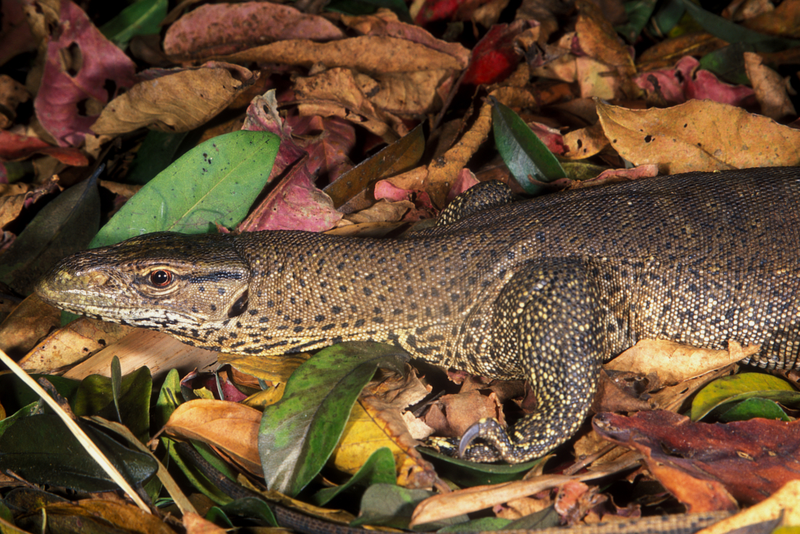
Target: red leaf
{"points": [[494, 58]]}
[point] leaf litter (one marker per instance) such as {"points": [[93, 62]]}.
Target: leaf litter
{"points": [[614, 93]]}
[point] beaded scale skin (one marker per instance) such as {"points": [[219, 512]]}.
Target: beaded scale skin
{"points": [[543, 289]]}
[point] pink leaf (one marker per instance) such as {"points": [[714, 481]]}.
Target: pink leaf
{"points": [[81, 66]]}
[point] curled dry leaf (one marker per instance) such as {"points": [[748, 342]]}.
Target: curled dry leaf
{"points": [[699, 136], [228, 426], [707, 466], [219, 29], [769, 87], [175, 102], [674, 362]]}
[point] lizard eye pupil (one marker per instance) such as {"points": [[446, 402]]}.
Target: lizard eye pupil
{"points": [[160, 278]]}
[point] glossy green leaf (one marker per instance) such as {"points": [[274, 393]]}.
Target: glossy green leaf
{"points": [[468, 474], [116, 385], [32, 446], [528, 159], [378, 469], [391, 506], [142, 17], [193, 474], [754, 407], [64, 226], [739, 387], [736, 33], [158, 150], [299, 432], [95, 396], [214, 183], [168, 398]]}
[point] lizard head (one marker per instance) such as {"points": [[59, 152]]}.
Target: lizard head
{"points": [[159, 281]]}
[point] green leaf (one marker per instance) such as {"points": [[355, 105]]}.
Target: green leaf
{"points": [[214, 183], [158, 150], [252, 508], [15, 395], [739, 387], [378, 469], [95, 396], [484, 524], [468, 474], [64, 226], [667, 17], [116, 384], [390, 505], [168, 398], [140, 18], [299, 432], [754, 407], [639, 12], [43, 451], [528, 159], [728, 63], [735, 33]]}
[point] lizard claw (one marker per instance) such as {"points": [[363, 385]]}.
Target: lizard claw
{"points": [[484, 427]]}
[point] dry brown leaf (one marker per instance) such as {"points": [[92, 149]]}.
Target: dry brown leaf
{"points": [[176, 102], [668, 52], [407, 94], [30, 321], [228, 426], [443, 171], [335, 92], [382, 211], [699, 136], [585, 142], [674, 362], [781, 504], [159, 352], [125, 517], [367, 54], [216, 29], [385, 23], [784, 20], [770, 88], [71, 344], [469, 500], [197, 524], [12, 201]]}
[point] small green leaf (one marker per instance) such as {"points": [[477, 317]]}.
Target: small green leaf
{"points": [[299, 432], [95, 396], [754, 407], [483, 524], [667, 17], [252, 509], [214, 183], [739, 387], [378, 469], [639, 12], [468, 474], [391, 506], [528, 159], [142, 17], [116, 384]]}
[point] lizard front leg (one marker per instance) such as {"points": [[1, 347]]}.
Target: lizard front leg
{"points": [[548, 316]]}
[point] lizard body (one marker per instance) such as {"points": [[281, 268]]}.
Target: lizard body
{"points": [[542, 289]]}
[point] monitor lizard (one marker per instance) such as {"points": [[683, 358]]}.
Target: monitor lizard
{"points": [[542, 289]]}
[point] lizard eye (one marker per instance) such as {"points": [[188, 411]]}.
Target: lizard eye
{"points": [[161, 278]]}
